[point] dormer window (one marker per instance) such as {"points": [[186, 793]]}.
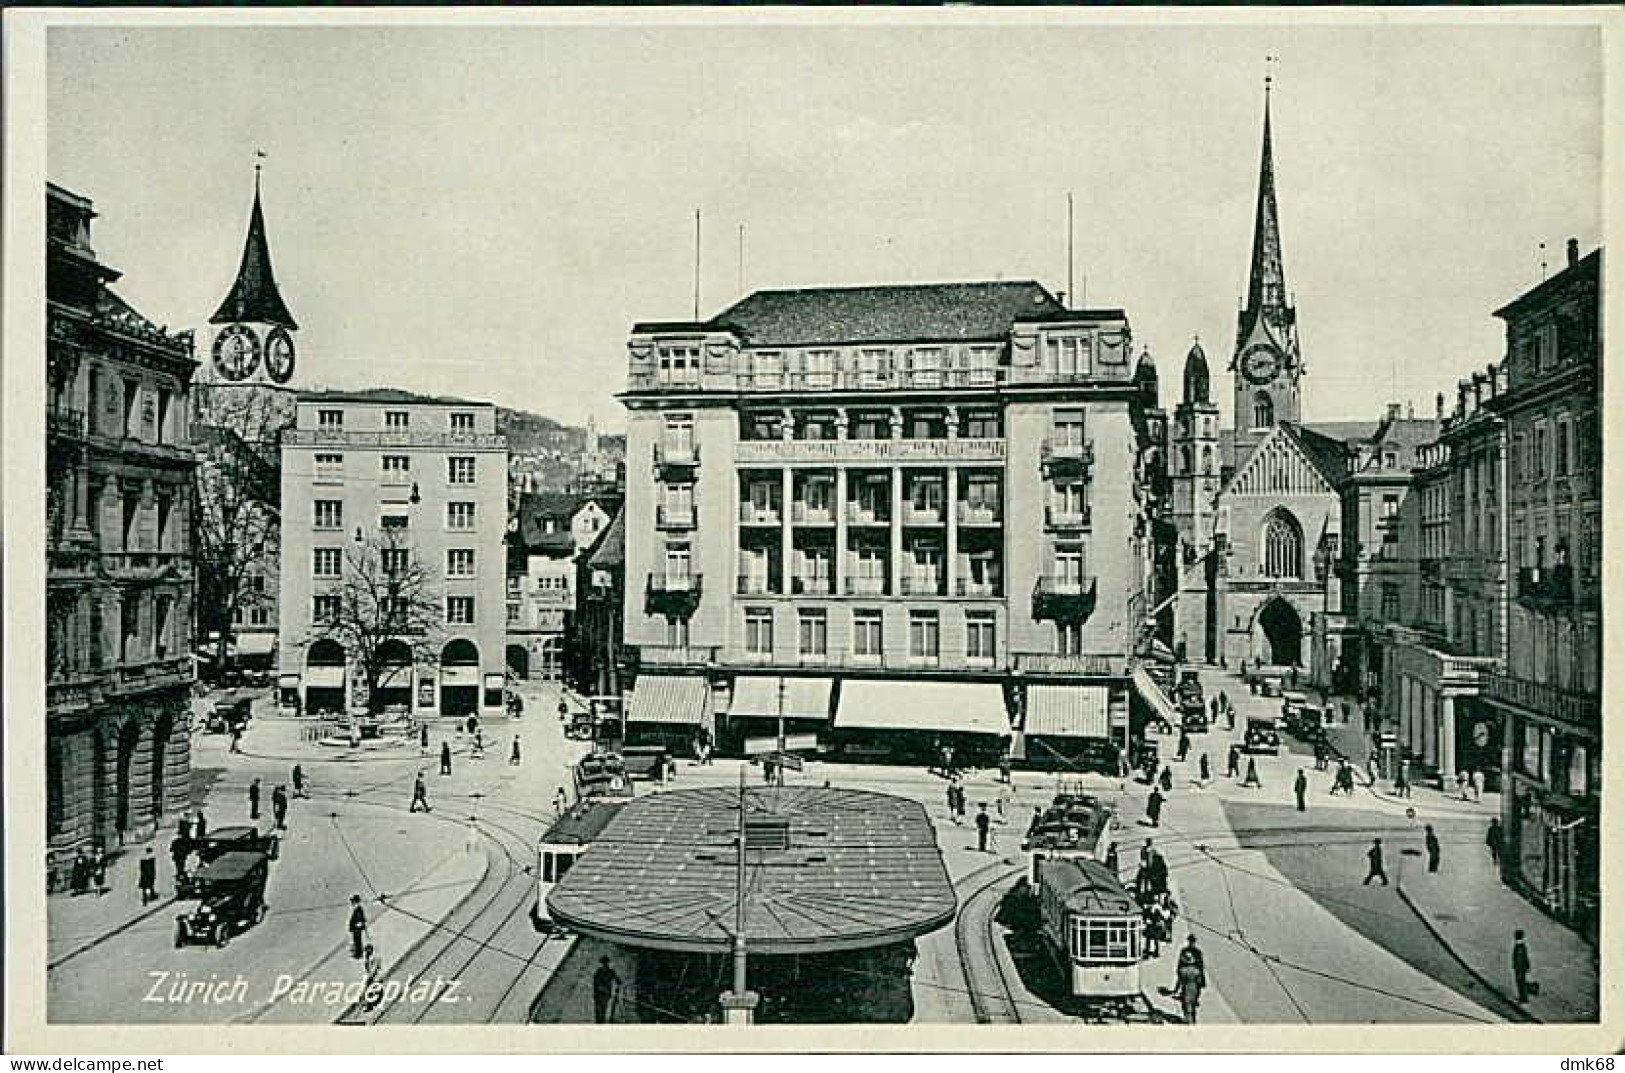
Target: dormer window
{"points": [[330, 419]]}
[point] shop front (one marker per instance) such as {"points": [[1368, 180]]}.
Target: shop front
{"points": [[1551, 819]]}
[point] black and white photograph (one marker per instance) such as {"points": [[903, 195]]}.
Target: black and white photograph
{"points": [[1076, 523]]}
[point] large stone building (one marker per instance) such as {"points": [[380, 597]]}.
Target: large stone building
{"points": [[888, 486], [428, 475], [548, 532], [119, 568]]}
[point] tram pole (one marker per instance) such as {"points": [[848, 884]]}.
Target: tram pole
{"points": [[739, 1004]]}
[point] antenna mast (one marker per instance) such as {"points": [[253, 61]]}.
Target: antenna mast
{"points": [[696, 265], [1072, 294]]}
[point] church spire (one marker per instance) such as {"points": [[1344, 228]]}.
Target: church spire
{"points": [[254, 296], [1266, 285]]}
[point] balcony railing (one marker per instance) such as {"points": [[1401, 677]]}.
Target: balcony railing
{"points": [[922, 515], [1062, 518], [856, 515], [1050, 663], [977, 514], [1065, 600], [1546, 587], [675, 455], [677, 655], [65, 421], [983, 589], [920, 586], [672, 594], [750, 514], [802, 514], [338, 437], [1575, 708], [754, 585], [866, 586], [668, 517], [811, 586], [1066, 455], [779, 452]]}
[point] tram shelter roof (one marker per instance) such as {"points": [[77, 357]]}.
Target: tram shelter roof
{"points": [[826, 870]]}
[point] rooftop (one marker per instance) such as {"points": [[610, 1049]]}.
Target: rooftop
{"points": [[388, 395], [861, 869]]}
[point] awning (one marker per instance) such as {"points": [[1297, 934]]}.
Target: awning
{"points": [[324, 677], [966, 707], [287, 681], [256, 644], [1067, 711], [675, 699], [758, 694], [1153, 695]]}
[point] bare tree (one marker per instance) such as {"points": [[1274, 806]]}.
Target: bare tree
{"points": [[236, 522], [383, 594]]}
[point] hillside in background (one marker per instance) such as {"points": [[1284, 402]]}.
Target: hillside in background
{"points": [[530, 433]]}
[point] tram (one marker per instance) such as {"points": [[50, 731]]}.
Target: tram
{"points": [[1076, 825], [571, 835], [1092, 927], [602, 776]]}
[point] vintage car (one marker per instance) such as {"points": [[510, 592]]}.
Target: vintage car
{"points": [[223, 840], [583, 726], [1261, 737], [1308, 723], [226, 896], [230, 712], [1192, 704]]}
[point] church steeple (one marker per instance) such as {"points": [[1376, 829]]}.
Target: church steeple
{"points": [[254, 297], [1266, 285]]}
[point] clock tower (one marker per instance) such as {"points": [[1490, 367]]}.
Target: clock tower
{"points": [[252, 343], [1267, 365]]}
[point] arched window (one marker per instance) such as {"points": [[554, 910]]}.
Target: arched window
{"points": [[1185, 460], [1207, 460], [1263, 410], [1283, 546]]}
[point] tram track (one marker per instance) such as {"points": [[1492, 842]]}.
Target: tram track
{"points": [[987, 984]]}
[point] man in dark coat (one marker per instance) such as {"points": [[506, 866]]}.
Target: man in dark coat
{"points": [[279, 807], [1156, 872], [183, 829], [983, 823], [254, 800], [420, 794], [1038, 818], [1192, 979], [1205, 771], [1320, 756], [1492, 839], [423, 736], [200, 826], [179, 849], [299, 781], [358, 925], [606, 989], [148, 877], [1252, 773], [1520, 968], [1233, 762], [1375, 869], [1300, 786], [1432, 844], [79, 877], [445, 758], [1153, 807], [1184, 745]]}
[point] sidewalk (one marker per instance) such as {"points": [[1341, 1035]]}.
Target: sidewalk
{"points": [[76, 923], [1474, 915]]}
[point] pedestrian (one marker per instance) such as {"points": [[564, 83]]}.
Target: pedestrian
{"points": [[358, 925], [236, 737], [1001, 804], [1402, 781], [564, 710], [420, 794], [561, 802], [445, 758], [1300, 786], [1371, 769], [79, 874], [1252, 774], [98, 864], [1152, 925], [183, 829], [148, 877], [1233, 762], [254, 800], [299, 781], [513, 754], [1320, 756], [1476, 780], [959, 800], [953, 801], [1004, 770], [1153, 808], [1111, 857], [1037, 821], [1376, 870], [1521, 966], [279, 807], [372, 968], [606, 990], [1213, 711], [1205, 770], [200, 826], [1492, 839], [984, 824], [1191, 974], [179, 849], [1167, 779], [1461, 785], [1184, 745], [1432, 844]]}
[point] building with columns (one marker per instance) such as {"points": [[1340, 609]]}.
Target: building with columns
{"points": [[119, 580], [837, 495]]}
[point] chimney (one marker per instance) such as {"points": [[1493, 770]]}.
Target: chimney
{"points": [[1574, 252], [1060, 299], [1393, 411]]}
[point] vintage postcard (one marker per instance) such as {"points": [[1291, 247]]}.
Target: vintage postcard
{"points": [[685, 530]]}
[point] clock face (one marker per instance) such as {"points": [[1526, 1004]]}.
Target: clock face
{"points": [[1260, 362], [279, 355], [236, 352]]}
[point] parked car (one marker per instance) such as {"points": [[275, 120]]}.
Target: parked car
{"points": [[1261, 737], [226, 896]]}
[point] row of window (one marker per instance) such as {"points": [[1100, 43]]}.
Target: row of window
{"points": [[326, 607], [868, 640], [329, 514], [459, 468], [1559, 449], [394, 420], [924, 493], [818, 369], [1067, 426], [329, 562]]}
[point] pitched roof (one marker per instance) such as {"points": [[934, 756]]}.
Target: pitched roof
{"points": [[387, 394], [1329, 456], [1344, 431], [610, 550], [254, 295], [947, 312]]}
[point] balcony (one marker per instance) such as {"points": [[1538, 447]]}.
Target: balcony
{"points": [[856, 379], [1546, 588], [1057, 456], [866, 586], [1574, 708], [1061, 519], [856, 515], [811, 586], [755, 585], [676, 456], [977, 514], [1064, 600], [672, 595], [834, 452], [338, 437], [987, 590], [920, 586], [669, 517], [803, 514], [65, 421], [913, 515], [751, 514], [677, 655], [1050, 663]]}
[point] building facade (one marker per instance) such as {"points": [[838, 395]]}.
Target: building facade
{"points": [[431, 473], [1549, 691], [119, 579], [891, 484]]}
